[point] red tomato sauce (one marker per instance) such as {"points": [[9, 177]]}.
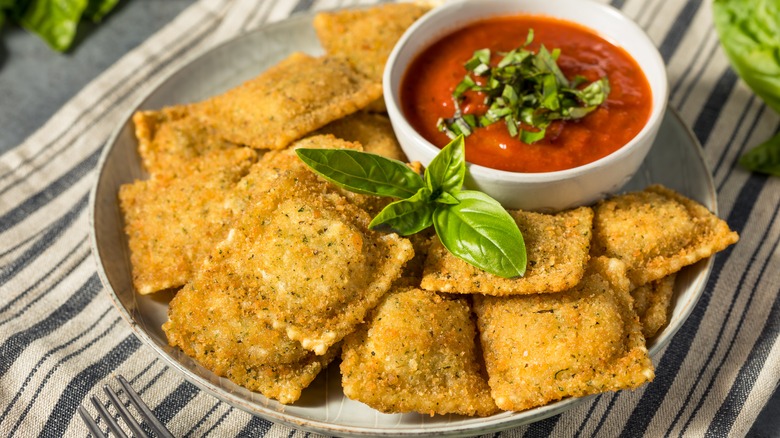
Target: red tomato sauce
{"points": [[427, 86]]}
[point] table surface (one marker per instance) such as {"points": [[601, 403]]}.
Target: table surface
{"points": [[36, 81]]}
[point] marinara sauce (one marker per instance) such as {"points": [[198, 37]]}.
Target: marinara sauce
{"points": [[427, 86]]}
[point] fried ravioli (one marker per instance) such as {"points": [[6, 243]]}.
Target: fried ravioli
{"points": [[417, 353], [557, 249], [289, 100], [586, 340], [172, 224], [366, 36], [657, 232], [169, 137], [309, 256], [652, 302], [214, 320], [274, 164], [373, 131]]}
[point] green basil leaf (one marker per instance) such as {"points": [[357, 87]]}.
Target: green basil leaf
{"points": [[550, 93], [545, 62], [407, 216], [596, 93], [446, 198], [524, 87], [465, 85], [447, 171], [479, 231], [55, 21], [749, 32], [362, 172], [479, 63], [764, 158], [529, 38], [530, 137]]}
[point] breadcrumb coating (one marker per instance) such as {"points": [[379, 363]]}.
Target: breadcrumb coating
{"points": [[657, 232], [417, 353], [171, 224], [289, 100], [373, 131], [653, 302], [366, 36], [557, 250], [169, 137], [544, 347]]}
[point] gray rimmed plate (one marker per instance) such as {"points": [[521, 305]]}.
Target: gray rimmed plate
{"points": [[675, 161]]}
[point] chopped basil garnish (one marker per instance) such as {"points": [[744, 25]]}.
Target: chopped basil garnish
{"points": [[471, 225], [526, 90]]}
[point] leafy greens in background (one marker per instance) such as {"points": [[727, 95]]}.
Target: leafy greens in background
{"points": [[55, 21], [749, 31], [471, 225]]}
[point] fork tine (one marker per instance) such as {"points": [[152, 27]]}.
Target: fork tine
{"points": [[125, 413], [91, 425], [112, 424], [151, 420]]}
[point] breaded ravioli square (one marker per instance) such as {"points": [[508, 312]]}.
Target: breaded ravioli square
{"points": [[171, 224], [373, 131], [586, 340], [417, 353], [557, 250], [273, 165], [276, 163], [167, 138], [289, 100], [214, 319], [366, 36], [308, 254], [657, 232], [652, 302]]}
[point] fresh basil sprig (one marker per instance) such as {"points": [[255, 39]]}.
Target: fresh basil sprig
{"points": [[525, 89], [470, 224]]}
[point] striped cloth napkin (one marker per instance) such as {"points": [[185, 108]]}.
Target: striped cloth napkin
{"points": [[61, 338]]}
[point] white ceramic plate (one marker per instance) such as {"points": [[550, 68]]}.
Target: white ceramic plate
{"points": [[675, 161]]}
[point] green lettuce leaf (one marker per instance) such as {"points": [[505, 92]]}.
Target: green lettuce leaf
{"points": [[749, 31], [764, 158], [55, 21]]}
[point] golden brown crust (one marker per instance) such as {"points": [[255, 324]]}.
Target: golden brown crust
{"points": [[172, 224], [289, 100], [373, 131], [169, 137], [557, 249], [657, 232], [306, 251], [542, 348], [652, 302], [417, 353], [366, 36]]}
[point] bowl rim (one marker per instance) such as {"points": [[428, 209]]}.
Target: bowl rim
{"points": [[659, 88]]}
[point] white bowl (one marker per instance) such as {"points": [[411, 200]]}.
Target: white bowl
{"points": [[546, 191]]}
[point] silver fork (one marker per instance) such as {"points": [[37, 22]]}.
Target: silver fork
{"points": [[146, 414]]}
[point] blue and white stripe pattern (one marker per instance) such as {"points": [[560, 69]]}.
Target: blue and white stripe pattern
{"points": [[61, 338]]}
